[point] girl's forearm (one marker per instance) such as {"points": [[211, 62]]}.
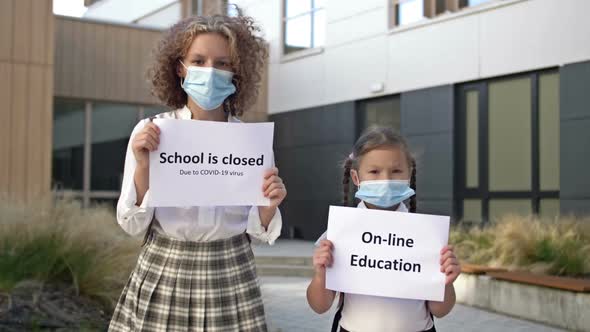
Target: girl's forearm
{"points": [[266, 214], [441, 309], [142, 183], [319, 298]]}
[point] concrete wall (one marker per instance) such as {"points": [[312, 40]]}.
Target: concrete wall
{"points": [[498, 38], [546, 305], [575, 138]]}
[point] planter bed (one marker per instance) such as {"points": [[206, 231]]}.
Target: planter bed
{"points": [[558, 301]]}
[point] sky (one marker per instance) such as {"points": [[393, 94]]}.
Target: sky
{"points": [[69, 7]]}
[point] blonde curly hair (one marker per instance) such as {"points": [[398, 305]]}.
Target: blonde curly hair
{"points": [[248, 53]]}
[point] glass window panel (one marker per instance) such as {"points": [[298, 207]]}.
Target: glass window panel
{"points": [[371, 116], [149, 111], [472, 139], [503, 207], [549, 131], [477, 2], [471, 3], [319, 28], [298, 34], [549, 208], [382, 112], [111, 127], [441, 6], [510, 135], [108, 203], [296, 7], [472, 210], [195, 7], [68, 144], [232, 11], [410, 11]]}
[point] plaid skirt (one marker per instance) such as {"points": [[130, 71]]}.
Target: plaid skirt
{"points": [[192, 286]]}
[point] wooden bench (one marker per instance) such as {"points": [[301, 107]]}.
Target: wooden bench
{"points": [[563, 283], [479, 269]]}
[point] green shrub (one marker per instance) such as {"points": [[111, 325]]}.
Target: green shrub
{"points": [[60, 242], [558, 247]]}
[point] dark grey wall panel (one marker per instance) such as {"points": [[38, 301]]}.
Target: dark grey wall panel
{"points": [[315, 126], [307, 218], [427, 123], [434, 159], [575, 159], [574, 90], [309, 145], [428, 110], [578, 207], [312, 172], [575, 138], [438, 207]]}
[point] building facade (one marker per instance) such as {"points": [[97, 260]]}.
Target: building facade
{"points": [[72, 90], [26, 93], [492, 96], [101, 90]]}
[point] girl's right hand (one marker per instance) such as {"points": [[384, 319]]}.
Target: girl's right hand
{"points": [[145, 141], [322, 256]]}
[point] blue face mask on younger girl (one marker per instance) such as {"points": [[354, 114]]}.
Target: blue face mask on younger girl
{"points": [[384, 193], [208, 86]]}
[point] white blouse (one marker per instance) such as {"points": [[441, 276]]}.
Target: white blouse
{"points": [[190, 223], [383, 314]]}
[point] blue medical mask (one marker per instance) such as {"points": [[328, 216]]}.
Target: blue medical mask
{"points": [[208, 87], [384, 193]]}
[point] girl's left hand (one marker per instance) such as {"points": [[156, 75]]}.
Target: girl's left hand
{"points": [[273, 187], [449, 264]]}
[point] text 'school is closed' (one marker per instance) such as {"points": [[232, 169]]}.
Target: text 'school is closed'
{"points": [[177, 158]]}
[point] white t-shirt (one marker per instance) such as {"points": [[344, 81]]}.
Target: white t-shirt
{"points": [[364, 313]]}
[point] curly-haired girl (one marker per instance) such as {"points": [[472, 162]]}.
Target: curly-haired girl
{"points": [[196, 271]]}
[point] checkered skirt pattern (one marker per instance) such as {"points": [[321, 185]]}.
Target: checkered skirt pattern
{"points": [[192, 286]]}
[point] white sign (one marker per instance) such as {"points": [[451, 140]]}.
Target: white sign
{"points": [[385, 253], [201, 163]]}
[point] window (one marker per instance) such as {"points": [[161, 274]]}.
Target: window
{"points": [[411, 11], [89, 145], [68, 144], [304, 25], [149, 111], [197, 7], [384, 111], [111, 126], [471, 3], [508, 142], [408, 11], [380, 111]]}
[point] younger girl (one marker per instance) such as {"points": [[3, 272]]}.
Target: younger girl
{"points": [[196, 271], [380, 165]]}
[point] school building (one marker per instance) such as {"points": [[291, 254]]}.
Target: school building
{"points": [[72, 89], [492, 96]]}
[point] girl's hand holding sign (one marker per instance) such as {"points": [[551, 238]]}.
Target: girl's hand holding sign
{"points": [[275, 190], [449, 264]]}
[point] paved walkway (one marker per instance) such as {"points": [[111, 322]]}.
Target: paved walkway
{"points": [[287, 310], [285, 248]]}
